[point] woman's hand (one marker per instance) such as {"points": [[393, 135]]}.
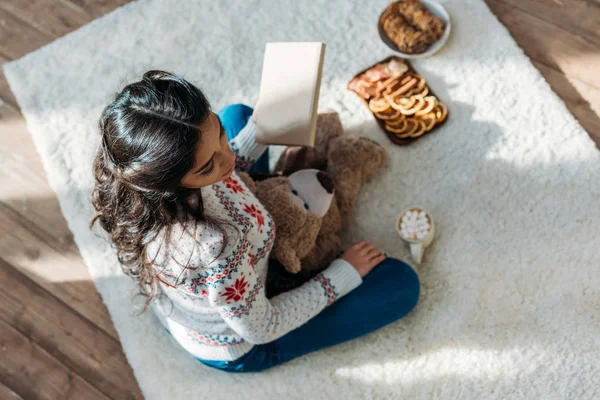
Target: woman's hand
{"points": [[363, 256]]}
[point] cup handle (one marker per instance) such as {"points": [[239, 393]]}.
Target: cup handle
{"points": [[416, 252]]}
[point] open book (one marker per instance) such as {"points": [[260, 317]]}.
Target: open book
{"points": [[286, 113]]}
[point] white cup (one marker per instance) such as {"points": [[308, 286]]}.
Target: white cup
{"points": [[417, 246]]}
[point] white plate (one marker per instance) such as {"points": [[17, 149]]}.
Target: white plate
{"points": [[436, 9]]}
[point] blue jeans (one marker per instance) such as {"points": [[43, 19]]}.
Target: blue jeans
{"points": [[387, 294], [234, 117]]}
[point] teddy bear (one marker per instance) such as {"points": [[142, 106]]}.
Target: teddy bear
{"points": [[310, 205], [349, 161], [297, 203]]}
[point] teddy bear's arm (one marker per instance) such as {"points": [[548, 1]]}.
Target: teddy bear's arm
{"points": [[287, 257]]}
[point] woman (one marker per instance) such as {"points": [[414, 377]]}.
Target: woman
{"points": [[198, 241]]}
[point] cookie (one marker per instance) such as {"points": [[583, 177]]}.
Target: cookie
{"points": [[411, 26], [418, 16], [408, 39]]}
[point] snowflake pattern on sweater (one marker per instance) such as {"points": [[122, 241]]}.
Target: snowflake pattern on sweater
{"points": [[215, 304]]}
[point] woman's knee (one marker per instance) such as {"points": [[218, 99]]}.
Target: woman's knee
{"points": [[233, 118], [404, 279], [236, 112]]}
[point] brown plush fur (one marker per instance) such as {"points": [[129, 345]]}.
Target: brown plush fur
{"points": [[351, 162], [295, 158], [296, 228], [304, 241]]}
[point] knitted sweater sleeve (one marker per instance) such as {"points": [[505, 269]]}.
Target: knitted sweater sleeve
{"points": [[242, 302], [245, 147]]}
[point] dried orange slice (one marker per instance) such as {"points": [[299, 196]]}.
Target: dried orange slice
{"points": [[441, 112], [396, 122], [421, 129], [390, 114], [430, 120], [412, 125], [401, 103], [379, 105], [418, 106], [431, 104], [417, 125], [397, 129]]}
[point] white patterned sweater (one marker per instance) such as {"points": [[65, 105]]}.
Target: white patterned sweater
{"points": [[216, 308]]}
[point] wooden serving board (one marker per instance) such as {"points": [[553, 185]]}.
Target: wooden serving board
{"points": [[393, 137]]}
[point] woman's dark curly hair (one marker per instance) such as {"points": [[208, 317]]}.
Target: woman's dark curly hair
{"points": [[149, 137]]}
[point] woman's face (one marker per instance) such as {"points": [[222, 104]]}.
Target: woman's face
{"points": [[214, 160]]}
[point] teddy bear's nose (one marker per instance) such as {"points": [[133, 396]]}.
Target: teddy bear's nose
{"points": [[325, 181]]}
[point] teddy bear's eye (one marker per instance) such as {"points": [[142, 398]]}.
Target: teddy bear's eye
{"points": [[306, 206], [294, 192]]}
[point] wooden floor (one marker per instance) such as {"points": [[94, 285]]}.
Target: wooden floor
{"points": [[56, 338]]}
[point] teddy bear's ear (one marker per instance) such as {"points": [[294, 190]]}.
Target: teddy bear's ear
{"points": [[329, 127], [295, 158]]}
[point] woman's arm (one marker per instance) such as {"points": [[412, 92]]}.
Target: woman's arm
{"points": [[228, 282], [242, 302], [246, 148]]}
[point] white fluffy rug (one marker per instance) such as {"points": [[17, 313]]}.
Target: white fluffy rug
{"points": [[511, 287]]}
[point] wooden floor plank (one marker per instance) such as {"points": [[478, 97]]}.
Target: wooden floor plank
{"points": [[555, 47], [8, 113], [6, 95], [99, 7], [34, 374], [580, 108], [34, 236], [580, 17], [64, 274], [26, 188], [71, 339], [18, 38], [589, 93], [53, 17], [7, 393], [558, 35], [16, 145]]}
